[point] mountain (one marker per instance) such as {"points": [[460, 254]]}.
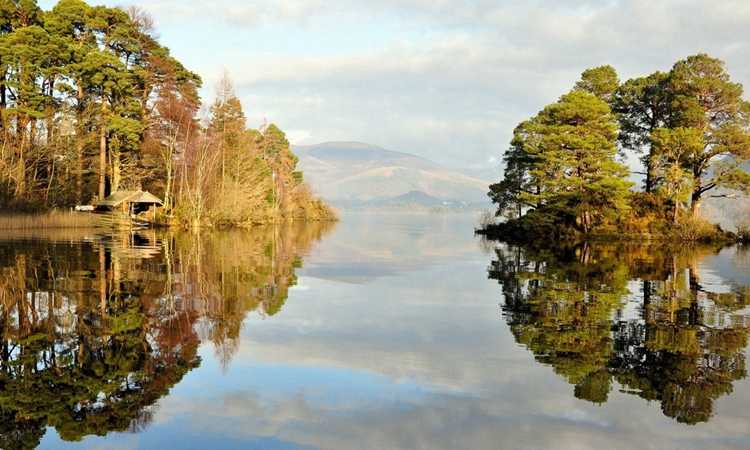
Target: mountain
{"points": [[351, 173], [489, 175], [414, 198]]}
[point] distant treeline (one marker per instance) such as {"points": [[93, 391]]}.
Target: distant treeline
{"points": [[91, 103], [565, 172]]}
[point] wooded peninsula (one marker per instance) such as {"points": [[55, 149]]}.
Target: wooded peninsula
{"points": [[565, 171], [91, 104]]}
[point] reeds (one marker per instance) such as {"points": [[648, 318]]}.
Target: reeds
{"points": [[52, 220]]}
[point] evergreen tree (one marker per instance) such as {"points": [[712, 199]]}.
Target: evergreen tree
{"points": [[704, 99], [642, 106], [567, 152], [91, 103], [601, 81], [507, 193]]}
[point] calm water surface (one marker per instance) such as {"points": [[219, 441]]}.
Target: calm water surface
{"points": [[381, 332]]}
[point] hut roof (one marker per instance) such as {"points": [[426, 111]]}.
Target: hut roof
{"points": [[119, 197]]}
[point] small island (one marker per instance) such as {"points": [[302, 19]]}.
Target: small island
{"points": [[566, 173], [91, 104]]}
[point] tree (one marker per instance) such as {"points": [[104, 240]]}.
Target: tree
{"points": [[669, 149], [28, 55], [507, 193], [643, 105], [600, 81], [704, 99], [169, 138], [67, 21], [282, 163], [228, 123], [567, 152], [243, 174], [167, 96]]}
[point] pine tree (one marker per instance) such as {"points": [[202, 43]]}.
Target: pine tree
{"points": [[568, 154], [704, 99]]}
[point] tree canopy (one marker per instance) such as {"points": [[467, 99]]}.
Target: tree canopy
{"points": [[91, 103], [562, 165], [688, 127]]}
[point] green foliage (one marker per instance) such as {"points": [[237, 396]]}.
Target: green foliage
{"points": [[649, 216], [691, 228], [703, 99], [562, 162], [92, 103], [690, 126], [602, 82]]}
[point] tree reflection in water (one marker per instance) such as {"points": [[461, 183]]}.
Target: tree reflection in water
{"points": [[634, 314], [95, 332]]}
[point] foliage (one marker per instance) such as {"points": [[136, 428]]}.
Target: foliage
{"points": [[649, 216], [562, 163], [690, 127], [691, 228], [602, 82], [91, 103]]}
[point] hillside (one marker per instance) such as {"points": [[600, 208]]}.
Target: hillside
{"points": [[351, 173], [492, 175]]}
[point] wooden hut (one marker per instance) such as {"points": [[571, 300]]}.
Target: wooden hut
{"points": [[129, 202]]}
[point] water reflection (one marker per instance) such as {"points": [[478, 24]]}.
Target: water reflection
{"points": [[95, 331], [637, 315]]}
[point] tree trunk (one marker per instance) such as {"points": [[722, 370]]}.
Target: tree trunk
{"points": [[79, 171], [20, 170], [103, 152], [168, 187], [79, 144], [649, 176], [695, 204], [116, 170]]}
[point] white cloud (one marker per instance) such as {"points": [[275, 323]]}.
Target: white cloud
{"points": [[399, 73]]}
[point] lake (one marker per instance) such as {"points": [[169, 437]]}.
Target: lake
{"points": [[381, 331]]}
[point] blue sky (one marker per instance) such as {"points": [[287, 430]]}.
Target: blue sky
{"points": [[447, 80]]}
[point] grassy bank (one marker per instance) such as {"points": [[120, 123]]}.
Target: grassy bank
{"points": [[533, 229], [51, 220]]}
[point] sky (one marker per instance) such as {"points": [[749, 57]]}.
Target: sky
{"points": [[447, 80]]}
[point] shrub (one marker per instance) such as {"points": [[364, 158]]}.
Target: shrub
{"points": [[690, 228], [486, 219], [741, 219]]}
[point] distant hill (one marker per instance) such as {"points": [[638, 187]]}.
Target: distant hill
{"points": [[354, 173], [493, 175], [415, 198]]}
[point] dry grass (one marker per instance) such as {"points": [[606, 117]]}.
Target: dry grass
{"points": [[53, 220]]}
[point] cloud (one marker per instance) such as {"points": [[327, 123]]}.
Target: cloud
{"points": [[240, 13], [447, 79]]}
